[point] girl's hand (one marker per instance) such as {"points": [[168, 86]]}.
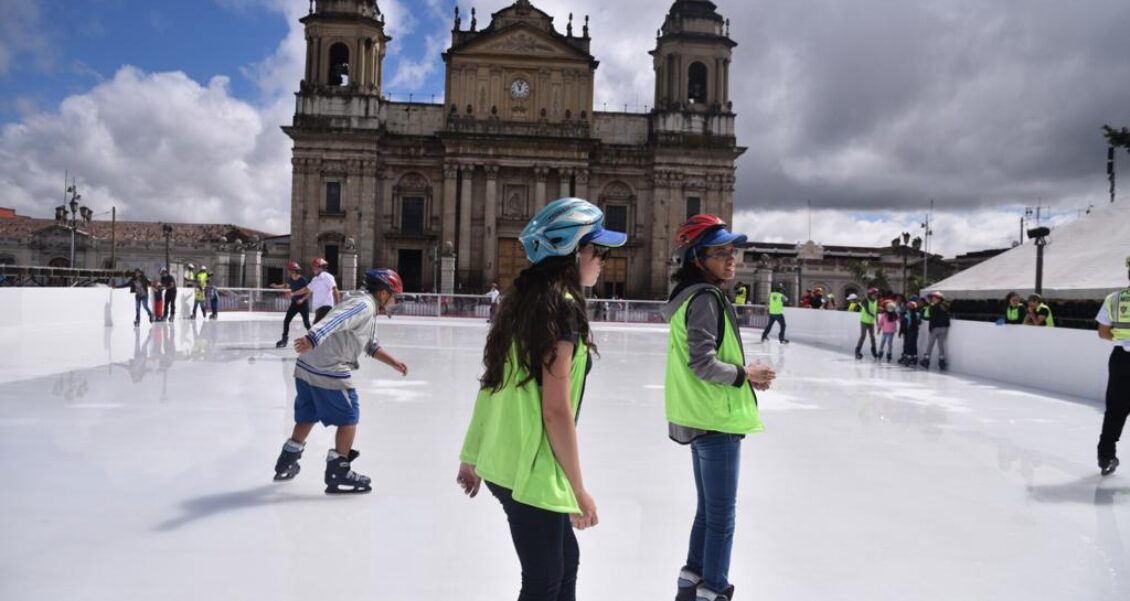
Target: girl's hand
{"points": [[468, 480], [587, 518], [401, 367], [760, 373]]}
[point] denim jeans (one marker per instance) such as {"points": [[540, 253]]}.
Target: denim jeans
{"points": [[716, 459], [138, 303], [769, 326], [546, 546]]}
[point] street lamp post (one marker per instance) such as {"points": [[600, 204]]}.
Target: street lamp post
{"points": [[1040, 235], [62, 214], [902, 244], [168, 231]]}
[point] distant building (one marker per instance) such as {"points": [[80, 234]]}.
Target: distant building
{"points": [[963, 262], [800, 267], [238, 256]]}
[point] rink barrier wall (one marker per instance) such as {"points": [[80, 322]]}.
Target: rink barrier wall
{"points": [[1065, 361]]}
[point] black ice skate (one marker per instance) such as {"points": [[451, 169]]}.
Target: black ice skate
{"points": [[943, 365], [1109, 466], [340, 477], [688, 585], [888, 357], [858, 355], [925, 362], [281, 343], [705, 594], [784, 341], [286, 468]]}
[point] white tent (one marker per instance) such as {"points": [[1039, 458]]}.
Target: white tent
{"points": [[1084, 259]]}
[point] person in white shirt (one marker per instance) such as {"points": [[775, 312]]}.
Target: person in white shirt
{"points": [[322, 289], [493, 296], [1114, 325]]}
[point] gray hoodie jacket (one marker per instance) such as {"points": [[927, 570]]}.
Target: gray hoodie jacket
{"points": [[349, 329], [702, 339]]}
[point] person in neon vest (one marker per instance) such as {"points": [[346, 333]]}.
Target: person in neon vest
{"points": [[868, 312], [777, 300], [1039, 314], [1014, 311], [709, 397], [522, 439], [1114, 325]]}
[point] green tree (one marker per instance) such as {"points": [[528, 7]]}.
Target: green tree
{"points": [[861, 271], [1118, 138]]}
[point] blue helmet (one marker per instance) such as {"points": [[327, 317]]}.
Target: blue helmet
{"points": [[563, 226]]}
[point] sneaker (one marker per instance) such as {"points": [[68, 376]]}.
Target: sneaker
{"points": [[1108, 466]]}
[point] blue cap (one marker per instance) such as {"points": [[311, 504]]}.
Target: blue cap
{"points": [[720, 237], [600, 236]]}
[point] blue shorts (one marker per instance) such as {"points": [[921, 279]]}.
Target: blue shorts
{"points": [[331, 407]]}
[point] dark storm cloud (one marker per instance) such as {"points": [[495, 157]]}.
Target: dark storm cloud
{"points": [[877, 104]]}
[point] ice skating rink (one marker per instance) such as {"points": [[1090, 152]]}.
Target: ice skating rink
{"points": [[142, 471]]}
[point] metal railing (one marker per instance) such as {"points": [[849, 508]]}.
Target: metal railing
{"points": [[473, 306]]}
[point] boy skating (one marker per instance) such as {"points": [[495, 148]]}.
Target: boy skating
{"points": [[327, 354]]}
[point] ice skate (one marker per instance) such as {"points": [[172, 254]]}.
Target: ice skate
{"points": [[888, 357], [286, 468], [688, 585], [784, 341], [705, 594], [858, 355], [281, 343], [340, 477], [925, 362], [1109, 466], [943, 365]]}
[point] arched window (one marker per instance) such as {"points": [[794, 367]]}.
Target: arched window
{"points": [[696, 83], [339, 65]]}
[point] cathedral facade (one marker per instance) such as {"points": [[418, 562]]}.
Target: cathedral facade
{"points": [[404, 184]]}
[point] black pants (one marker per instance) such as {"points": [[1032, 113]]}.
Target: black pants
{"points": [[320, 312], [302, 309], [1117, 402], [170, 303], [910, 343], [546, 546], [769, 326]]}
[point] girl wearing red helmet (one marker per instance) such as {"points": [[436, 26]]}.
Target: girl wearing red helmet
{"points": [[325, 392], [299, 303], [709, 396]]}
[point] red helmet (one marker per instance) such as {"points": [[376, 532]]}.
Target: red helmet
{"points": [[320, 262], [384, 279], [293, 266], [694, 228]]}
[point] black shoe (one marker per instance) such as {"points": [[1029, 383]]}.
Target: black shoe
{"points": [[943, 365], [340, 477], [281, 343], [1108, 466]]}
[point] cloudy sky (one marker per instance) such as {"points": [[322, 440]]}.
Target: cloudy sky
{"points": [[866, 109]]}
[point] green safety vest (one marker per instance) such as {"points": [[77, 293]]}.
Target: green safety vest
{"points": [[1012, 314], [741, 296], [203, 279], [507, 442], [869, 318], [1120, 319], [853, 307], [696, 403], [1050, 322], [926, 312], [776, 303]]}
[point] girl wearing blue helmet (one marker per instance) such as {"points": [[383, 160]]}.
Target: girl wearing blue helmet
{"points": [[522, 438]]}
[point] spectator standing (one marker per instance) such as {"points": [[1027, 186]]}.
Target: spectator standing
{"points": [[939, 317], [1114, 325], [493, 295], [1015, 312], [1039, 314]]}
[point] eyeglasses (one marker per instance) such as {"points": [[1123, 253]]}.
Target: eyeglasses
{"points": [[601, 252], [722, 255]]}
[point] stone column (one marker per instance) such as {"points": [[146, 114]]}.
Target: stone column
{"points": [[583, 184], [253, 268], [566, 175], [490, 225], [348, 265], [764, 286], [540, 174], [235, 269], [464, 256], [450, 173], [447, 273], [381, 255], [218, 269]]}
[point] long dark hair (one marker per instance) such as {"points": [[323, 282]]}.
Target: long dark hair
{"points": [[529, 318], [688, 274]]}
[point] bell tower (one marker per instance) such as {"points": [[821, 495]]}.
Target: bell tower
{"points": [[345, 50], [692, 59]]}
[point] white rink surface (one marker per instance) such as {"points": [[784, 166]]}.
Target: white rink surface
{"points": [[150, 478]]}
